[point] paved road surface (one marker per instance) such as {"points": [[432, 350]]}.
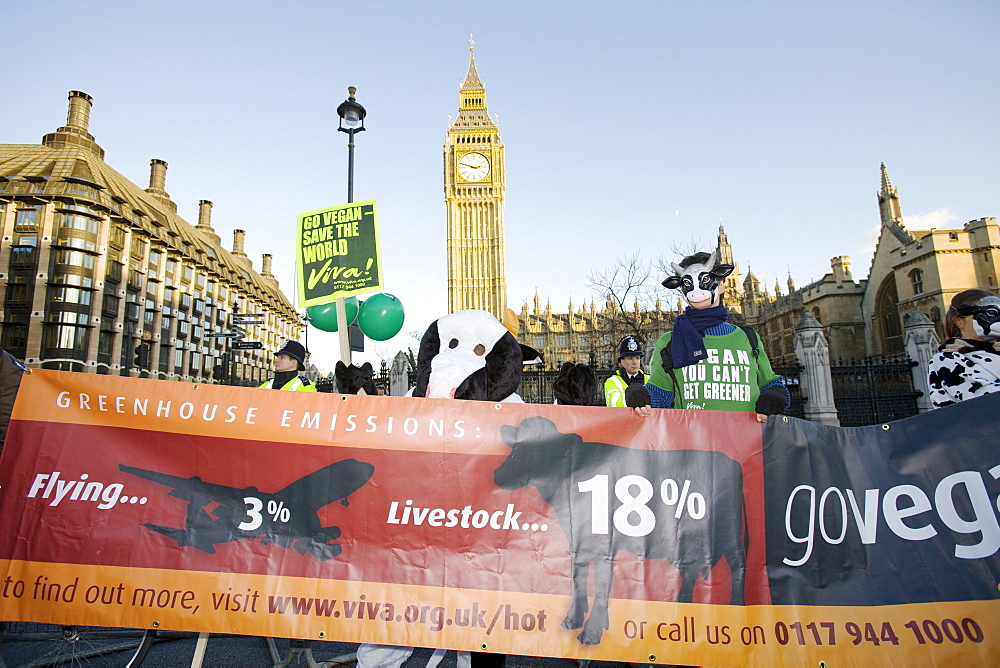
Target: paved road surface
{"points": [[36, 645]]}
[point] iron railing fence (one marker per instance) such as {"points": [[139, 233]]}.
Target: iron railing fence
{"points": [[790, 369], [874, 390], [536, 387], [868, 391]]}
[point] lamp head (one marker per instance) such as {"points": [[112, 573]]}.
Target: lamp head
{"points": [[352, 114]]}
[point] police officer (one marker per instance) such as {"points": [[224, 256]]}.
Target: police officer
{"points": [[628, 373], [288, 362]]}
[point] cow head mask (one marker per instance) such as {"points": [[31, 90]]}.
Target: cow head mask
{"points": [[985, 317], [700, 280], [468, 355]]}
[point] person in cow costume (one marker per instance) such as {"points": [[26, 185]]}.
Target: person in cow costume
{"points": [[469, 355], [705, 362], [967, 364]]}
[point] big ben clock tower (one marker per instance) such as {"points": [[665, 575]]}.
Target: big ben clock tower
{"points": [[474, 187]]}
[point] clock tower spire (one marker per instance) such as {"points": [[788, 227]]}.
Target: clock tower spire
{"points": [[474, 184]]}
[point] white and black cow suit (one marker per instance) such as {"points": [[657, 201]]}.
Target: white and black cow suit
{"points": [[967, 365], [964, 370], [466, 355]]}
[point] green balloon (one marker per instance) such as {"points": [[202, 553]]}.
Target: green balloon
{"points": [[324, 316], [381, 316]]}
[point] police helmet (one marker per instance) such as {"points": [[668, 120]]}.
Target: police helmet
{"points": [[629, 347], [295, 350]]}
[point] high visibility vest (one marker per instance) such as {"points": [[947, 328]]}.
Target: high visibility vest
{"points": [[615, 386], [297, 384]]}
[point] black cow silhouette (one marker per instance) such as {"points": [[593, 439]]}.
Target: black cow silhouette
{"points": [[554, 463], [222, 514]]}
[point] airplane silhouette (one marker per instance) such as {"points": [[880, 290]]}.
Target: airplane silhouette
{"points": [[221, 514]]}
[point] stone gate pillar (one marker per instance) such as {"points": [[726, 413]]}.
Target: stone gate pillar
{"points": [[921, 343], [813, 353], [399, 375]]}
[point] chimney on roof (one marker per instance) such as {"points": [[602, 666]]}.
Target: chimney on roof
{"points": [[265, 271], [79, 110], [75, 133], [239, 237], [205, 222], [204, 214], [157, 183], [157, 176]]}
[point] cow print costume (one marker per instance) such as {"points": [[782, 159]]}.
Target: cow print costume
{"points": [[968, 368], [466, 355], [963, 370], [470, 355]]}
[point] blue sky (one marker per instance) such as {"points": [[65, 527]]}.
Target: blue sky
{"points": [[628, 127]]}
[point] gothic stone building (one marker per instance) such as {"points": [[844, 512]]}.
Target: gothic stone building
{"points": [[589, 336], [102, 276], [911, 270]]}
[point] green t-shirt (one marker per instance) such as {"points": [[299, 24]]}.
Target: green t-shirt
{"points": [[729, 379]]}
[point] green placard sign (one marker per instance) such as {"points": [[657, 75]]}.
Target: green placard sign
{"points": [[337, 253]]}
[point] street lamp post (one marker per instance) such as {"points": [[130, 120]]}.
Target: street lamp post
{"points": [[352, 120]]}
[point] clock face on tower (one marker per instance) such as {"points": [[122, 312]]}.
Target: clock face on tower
{"points": [[473, 166]]}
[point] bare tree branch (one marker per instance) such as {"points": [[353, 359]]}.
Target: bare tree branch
{"points": [[630, 296]]}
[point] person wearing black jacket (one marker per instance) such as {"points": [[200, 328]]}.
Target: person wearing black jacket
{"points": [[11, 370]]}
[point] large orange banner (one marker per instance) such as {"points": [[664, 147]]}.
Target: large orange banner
{"points": [[522, 529]]}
